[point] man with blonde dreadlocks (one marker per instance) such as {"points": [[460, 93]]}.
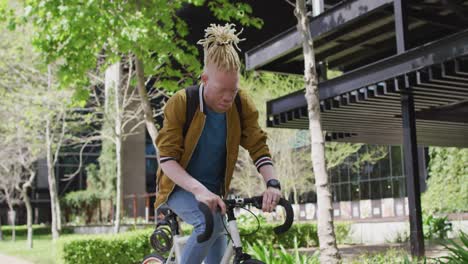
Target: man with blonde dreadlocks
{"points": [[198, 145]]}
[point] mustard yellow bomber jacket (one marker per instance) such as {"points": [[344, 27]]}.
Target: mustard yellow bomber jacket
{"points": [[173, 146]]}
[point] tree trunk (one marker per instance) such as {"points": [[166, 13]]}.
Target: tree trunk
{"points": [[29, 217], [119, 193], [50, 167], [328, 249], [296, 195], [148, 111], [52, 182], [118, 150], [58, 210], [12, 217]]}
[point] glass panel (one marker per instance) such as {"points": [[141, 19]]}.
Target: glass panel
{"points": [[355, 191], [344, 173], [364, 168], [354, 172], [151, 168], [375, 190], [399, 187], [375, 172], [344, 190], [334, 175], [386, 186], [336, 193], [385, 165], [397, 161], [364, 188]]}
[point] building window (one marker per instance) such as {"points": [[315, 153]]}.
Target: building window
{"points": [[151, 164], [384, 179], [397, 161], [376, 192], [386, 187]]}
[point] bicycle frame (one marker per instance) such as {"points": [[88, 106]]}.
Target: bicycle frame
{"points": [[234, 253], [179, 242]]}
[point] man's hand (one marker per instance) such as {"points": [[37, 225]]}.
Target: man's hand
{"points": [[271, 198], [212, 200]]}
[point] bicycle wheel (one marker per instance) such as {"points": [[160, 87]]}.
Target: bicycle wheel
{"points": [[153, 259], [253, 261]]}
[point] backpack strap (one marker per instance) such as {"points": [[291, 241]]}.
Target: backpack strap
{"points": [[193, 101]]}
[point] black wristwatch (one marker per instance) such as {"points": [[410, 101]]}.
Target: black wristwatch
{"points": [[274, 183]]}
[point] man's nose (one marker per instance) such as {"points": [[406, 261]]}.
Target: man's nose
{"points": [[228, 99]]}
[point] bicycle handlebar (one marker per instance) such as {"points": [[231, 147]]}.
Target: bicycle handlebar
{"points": [[209, 222], [256, 201]]}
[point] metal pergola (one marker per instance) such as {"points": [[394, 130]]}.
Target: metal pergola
{"points": [[405, 79]]}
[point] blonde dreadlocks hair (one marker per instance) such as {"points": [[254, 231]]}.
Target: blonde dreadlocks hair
{"points": [[219, 44]]}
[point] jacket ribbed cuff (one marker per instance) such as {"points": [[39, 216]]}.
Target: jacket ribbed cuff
{"points": [[262, 161], [164, 159]]}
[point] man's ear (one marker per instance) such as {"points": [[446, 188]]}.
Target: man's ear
{"points": [[204, 78]]}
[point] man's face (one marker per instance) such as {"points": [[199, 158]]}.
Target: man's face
{"points": [[220, 88]]}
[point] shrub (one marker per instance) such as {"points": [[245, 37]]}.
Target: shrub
{"points": [[83, 202], [270, 255], [458, 251], [38, 230], [132, 246], [436, 227], [124, 248]]}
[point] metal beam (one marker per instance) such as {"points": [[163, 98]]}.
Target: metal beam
{"points": [[420, 57], [410, 144], [290, 40], [427, 55]]}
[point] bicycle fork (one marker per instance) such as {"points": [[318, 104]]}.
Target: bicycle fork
{"points": [[234, 248]]}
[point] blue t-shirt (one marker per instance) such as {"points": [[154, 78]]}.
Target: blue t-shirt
{"points": [[208, 162]]}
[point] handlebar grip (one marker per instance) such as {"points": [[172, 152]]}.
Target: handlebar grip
{"points": [[208, 223], [258, 201], [289, 217]]}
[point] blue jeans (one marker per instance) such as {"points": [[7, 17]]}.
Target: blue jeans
{"points": [[184, 204]]}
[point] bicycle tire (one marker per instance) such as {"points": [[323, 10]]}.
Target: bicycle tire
{"points": [[153, 259]]}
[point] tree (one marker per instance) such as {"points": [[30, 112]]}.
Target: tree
{"points": [[148, 31], [10, 178], [328, 249], [27, 156], [23, 155], [151, 31], [448, 174], [123, 110], [34, 107]]}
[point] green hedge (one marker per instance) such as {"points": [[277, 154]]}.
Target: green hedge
{"points": [[447, 191], [306, 234], [38, 230], [124, 248], [131, 247]]}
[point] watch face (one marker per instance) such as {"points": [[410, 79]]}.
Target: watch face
{"points": [[273, 183]]}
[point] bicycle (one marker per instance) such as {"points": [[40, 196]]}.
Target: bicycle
{"points": [[167, 239]]}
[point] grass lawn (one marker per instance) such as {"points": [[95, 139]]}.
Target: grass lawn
{"points": [[43, 251]]}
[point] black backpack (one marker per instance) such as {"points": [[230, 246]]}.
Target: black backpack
{"points": [[193, 101]]}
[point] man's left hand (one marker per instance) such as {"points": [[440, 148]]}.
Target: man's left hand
{"points": [[271, 198]]}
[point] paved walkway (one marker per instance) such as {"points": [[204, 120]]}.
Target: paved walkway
{"points": [[12, 260], [349, 252]]}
